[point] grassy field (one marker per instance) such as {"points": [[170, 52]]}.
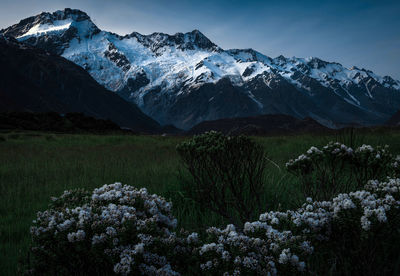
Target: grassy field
{"points": [[37, 166]]}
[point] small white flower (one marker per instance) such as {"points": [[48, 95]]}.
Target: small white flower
{"points": [[76, 236], [192, 238]]}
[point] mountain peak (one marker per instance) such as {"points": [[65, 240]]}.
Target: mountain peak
{"points": [[53, 31], [200, 40], [72, 13], [67, 13], [196, 32], [56, 22]]}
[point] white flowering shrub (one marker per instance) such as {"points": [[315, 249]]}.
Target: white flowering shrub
{"points": [[257, 250], [354, 233], [337, 168], [116, 229], [316, 217]]}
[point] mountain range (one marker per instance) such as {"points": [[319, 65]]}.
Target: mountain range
{"points": [[184, 79]]}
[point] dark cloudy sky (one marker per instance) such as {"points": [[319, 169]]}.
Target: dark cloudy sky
{"points": [[365, 33]]}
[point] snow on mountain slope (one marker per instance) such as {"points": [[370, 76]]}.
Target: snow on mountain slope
{"points": [[44, 29], [184, 79]]}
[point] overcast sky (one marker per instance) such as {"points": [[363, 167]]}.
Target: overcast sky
{"points": [[365, 33]]}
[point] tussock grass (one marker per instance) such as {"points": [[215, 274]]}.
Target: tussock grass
{"points": [[36, 166]]}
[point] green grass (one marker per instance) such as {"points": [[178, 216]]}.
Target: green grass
{"points": [[36, 166]]}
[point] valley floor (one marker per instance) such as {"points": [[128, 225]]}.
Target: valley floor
{"points": [[36, 166]]}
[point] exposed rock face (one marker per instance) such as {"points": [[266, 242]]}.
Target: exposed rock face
{"points": [[158, 42], [184, 79], [37, 81]]}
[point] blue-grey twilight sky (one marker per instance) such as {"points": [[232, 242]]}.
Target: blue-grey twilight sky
{"points": [[365, 33]]}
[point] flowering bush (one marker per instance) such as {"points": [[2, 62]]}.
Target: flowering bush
{"points": [[338, 168], [358, 228], [257, 250], [115, 229], [227, 174]]}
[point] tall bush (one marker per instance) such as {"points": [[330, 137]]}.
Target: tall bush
{"points": [[227, 174]]}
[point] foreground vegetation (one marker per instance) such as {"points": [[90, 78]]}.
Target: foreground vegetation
{"points": [[37, 166]]}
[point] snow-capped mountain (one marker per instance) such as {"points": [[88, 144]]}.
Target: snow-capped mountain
{"points": [[184, 79]]}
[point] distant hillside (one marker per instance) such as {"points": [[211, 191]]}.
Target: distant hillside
{"points": [[394, 120], [36, 81], [260, 125], [51, 121]]}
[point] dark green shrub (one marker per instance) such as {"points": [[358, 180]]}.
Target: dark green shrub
{"points": [[227, 174]]}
